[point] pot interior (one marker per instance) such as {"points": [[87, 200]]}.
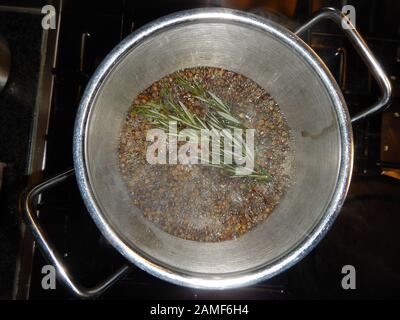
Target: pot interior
{"points": [[282, 72]]}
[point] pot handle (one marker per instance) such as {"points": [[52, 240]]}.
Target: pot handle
{"points": [[363, 50], [27, 206]]}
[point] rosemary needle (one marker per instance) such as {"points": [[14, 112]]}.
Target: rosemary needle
{"points": [[218, 117]]}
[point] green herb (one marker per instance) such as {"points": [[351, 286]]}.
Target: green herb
{"points": [[218, 117]]}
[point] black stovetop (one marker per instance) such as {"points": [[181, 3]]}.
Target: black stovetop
{"points": [[23, 33], [365, 233]]}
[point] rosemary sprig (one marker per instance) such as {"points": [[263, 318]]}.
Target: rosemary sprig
{"points": [[211, 101], [217, 118]]}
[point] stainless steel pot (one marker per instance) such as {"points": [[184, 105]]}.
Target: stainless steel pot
{"points": [[290, 71]]}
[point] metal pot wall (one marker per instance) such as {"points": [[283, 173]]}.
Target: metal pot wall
{"points": [[306, 92]]}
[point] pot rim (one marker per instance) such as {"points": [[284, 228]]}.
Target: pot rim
{"points": [[346, 145]]}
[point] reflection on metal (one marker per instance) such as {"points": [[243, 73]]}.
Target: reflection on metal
{"points": [[359, 44], [48, 248], [343, 68], [37, 152], [16, 9], [84, 38], [393, 173], [390, 143], [5, 62]]}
